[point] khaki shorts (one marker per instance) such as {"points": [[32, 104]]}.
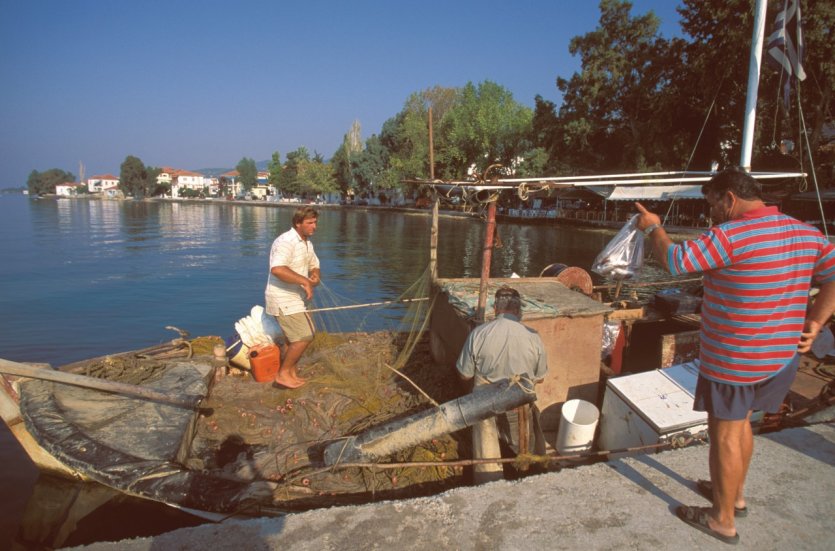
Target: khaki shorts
{"points": [[296, 327]]}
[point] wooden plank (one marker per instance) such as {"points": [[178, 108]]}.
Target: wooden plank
{"points": [[626, 314]]}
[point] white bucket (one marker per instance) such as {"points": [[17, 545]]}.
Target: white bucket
{"points": [[578, 422]]}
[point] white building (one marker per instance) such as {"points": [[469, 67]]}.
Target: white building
{"points": [[95, 184], [180, 180], [68, 189], [165, 176]]}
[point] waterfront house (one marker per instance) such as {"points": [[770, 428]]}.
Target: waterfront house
{"points": [[261, 192], [68, 189], [96, 184], [181, 180], [165, 176]]}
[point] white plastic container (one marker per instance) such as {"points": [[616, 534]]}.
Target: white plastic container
{"points": [[578, 421]]}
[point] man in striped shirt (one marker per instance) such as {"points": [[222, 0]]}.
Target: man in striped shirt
{"points": [[758, 267]]}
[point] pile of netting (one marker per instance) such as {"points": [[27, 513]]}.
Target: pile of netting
{"points": [[356, 380]]}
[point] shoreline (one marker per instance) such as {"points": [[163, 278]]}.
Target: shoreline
{"points": [[590, 225]]}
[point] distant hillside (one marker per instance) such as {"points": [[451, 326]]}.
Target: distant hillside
{"points": [[215, 172]]}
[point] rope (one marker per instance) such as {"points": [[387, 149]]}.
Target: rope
{"points": [[414, 384], [805, 134], [674, 443], [351, 306], [698, 139]]}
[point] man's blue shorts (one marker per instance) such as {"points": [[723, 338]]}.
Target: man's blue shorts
{"points": [[733, 402]]}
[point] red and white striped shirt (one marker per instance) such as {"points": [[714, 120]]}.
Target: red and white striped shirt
{"points": [[758, 270]]}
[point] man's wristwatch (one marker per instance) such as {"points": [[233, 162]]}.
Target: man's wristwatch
{"points": [[649, 229]]}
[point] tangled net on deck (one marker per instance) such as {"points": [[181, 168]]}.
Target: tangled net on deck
{"points": [[356, 380]]}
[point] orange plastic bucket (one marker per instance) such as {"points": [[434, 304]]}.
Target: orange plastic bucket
{"points": [[264, 360]]}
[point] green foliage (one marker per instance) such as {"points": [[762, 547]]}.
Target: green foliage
{"points": [[274, 167], [316, 177], [608, 119], [289, 180], [344, 161], [189, 193], [247, 172], [371, 166], [403, 151], [643, 102], [484, 126], [137, 179], [534, 163], [42, 183]]}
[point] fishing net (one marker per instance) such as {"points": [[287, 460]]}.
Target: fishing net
{"points": [[356, 380]]}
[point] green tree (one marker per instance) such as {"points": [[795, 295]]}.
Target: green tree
{"points": [[274, 167], [42, 183], [344, 161], [247, 172], [609, 116], [316, 177], [137, 179], [290, 175], [370, 168], [405, 138], [484, 126], [716, 73]]}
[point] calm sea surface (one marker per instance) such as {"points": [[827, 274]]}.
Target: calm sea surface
{"points": [[82, 278]]}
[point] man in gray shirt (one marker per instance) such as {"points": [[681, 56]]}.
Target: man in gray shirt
{"points": [[502, 349]]}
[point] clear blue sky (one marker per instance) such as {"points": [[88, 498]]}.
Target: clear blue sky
{"points": [[202, 83]]}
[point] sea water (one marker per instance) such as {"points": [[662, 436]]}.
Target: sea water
{"points": [[81, 278]]}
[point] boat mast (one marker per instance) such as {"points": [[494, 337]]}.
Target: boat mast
{"points": [[753, 85], [433, 236], [486, 258]]}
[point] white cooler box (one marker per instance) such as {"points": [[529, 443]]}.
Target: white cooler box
{"points": [[650, 407]]}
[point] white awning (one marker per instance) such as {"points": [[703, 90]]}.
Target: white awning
{"points": [[655, 193]]}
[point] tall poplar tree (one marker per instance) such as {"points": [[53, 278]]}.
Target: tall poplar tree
{"points": [[247, 172]]}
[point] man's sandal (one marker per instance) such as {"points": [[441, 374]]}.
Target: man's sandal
{"points": [[697, 517]]}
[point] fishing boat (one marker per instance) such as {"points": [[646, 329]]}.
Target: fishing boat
{"points": [[180, 430]]}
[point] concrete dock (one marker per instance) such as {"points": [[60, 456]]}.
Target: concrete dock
{"points": [[627, 503]]}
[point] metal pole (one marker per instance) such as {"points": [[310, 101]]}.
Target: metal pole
{"points": [[381, 441], [753, 85], [486, 258]]}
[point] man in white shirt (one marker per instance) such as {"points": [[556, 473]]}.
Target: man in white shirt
{"points": [[294, 272]]}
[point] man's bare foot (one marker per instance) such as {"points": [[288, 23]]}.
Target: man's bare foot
{"points": [[287, 382]]}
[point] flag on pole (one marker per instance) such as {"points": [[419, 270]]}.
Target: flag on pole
{"points": [[785, 45]]}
